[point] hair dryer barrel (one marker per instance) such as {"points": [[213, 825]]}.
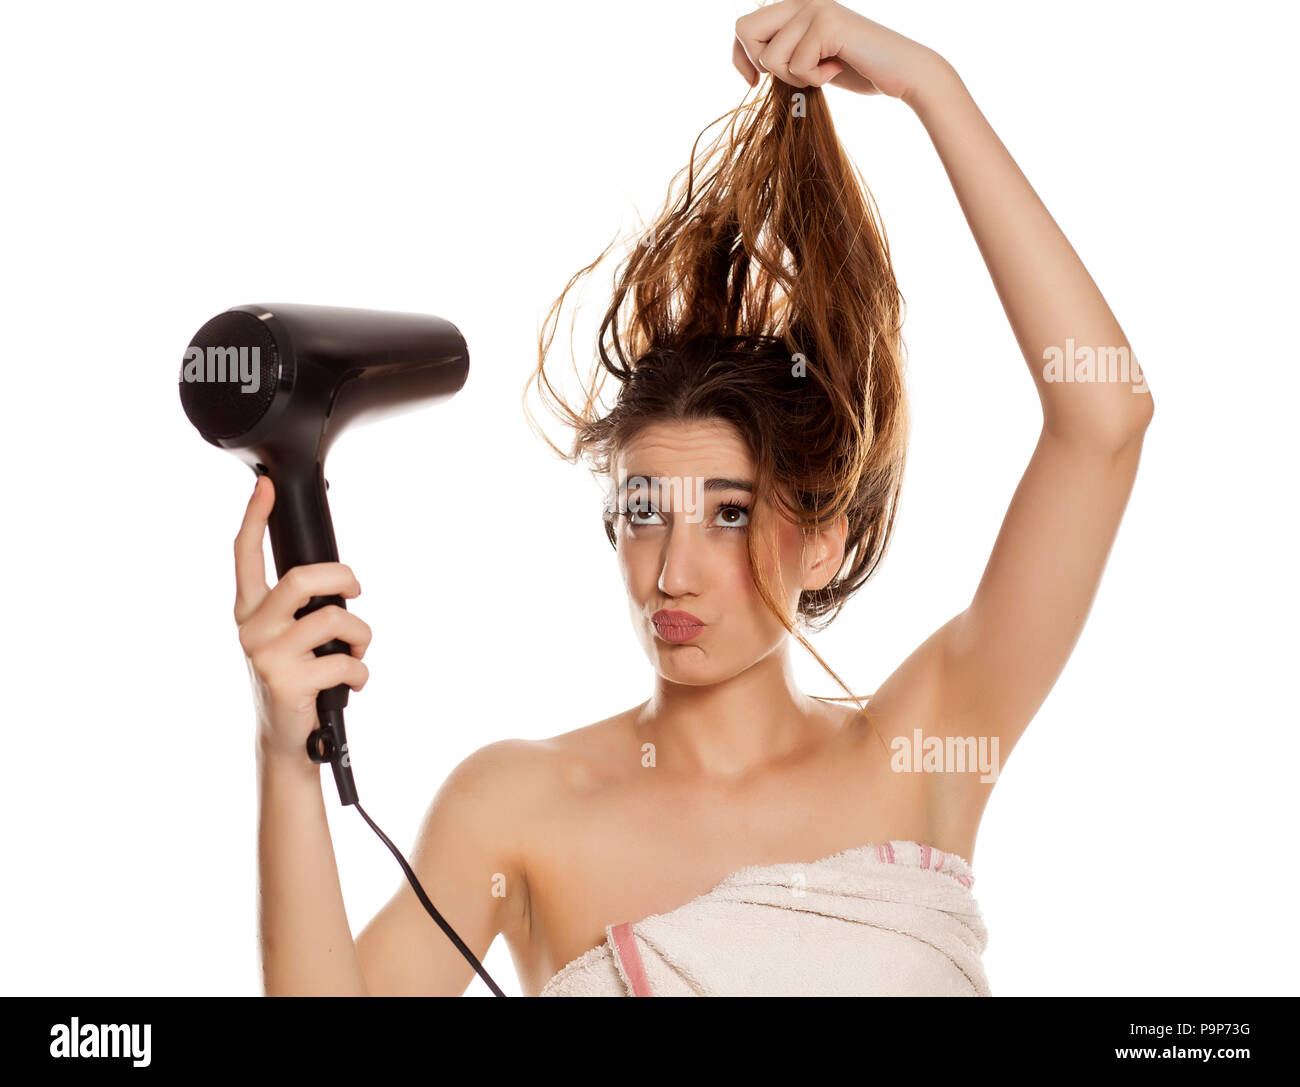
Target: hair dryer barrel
{"points": [[376, 363], [293, 376], [277, 383]]}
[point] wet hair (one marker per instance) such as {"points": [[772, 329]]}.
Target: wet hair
{"points": [[761, 296]]}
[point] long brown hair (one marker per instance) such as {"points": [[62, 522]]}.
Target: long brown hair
{"points": [[762, 295]]}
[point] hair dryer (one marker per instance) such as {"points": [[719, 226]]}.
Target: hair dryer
{"points": [[275, 385]]}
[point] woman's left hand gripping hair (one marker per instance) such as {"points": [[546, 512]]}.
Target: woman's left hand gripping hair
{"points": [[808, 43]]}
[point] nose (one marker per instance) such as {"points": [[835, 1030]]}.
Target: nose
{"points": [[680, 573]]}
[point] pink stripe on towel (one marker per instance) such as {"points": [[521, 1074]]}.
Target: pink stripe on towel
{"points": [[631, 958]]}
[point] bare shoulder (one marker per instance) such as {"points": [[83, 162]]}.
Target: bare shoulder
{"points": [[575, 764], [491, 797], [469, 857], [511, 785], [531, 769], [499, 770], [484, 802]]}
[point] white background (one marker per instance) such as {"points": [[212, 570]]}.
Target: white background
{"points": [[165, 162]]}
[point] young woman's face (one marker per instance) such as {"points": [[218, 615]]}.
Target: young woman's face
{"points": [[683, 517]]}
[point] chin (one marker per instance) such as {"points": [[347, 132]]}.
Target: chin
{"points": [[693, 669], [683, 664]]}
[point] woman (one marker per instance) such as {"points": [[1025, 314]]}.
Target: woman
{"points": [[731, 834]]}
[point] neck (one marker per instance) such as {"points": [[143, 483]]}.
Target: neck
{"points": [[730, 729]]}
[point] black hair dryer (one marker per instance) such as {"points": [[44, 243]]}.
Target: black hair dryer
{"points": [[275, 384]]}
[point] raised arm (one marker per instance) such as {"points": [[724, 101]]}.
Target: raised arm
{"points": [[999, 658], [987, 671]]}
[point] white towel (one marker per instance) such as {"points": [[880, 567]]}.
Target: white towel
{"points": [[895, 919]]}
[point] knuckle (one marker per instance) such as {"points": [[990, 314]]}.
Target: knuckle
{"points": [[321, 622]]}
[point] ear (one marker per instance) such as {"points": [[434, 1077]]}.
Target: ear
{"points": [[823, 554]]}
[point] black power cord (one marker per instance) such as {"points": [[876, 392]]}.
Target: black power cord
{"points": [[328, 743], [424, 899]]}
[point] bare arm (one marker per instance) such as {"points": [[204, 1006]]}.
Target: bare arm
{"points": [[986, 671], [464, 859], [468, 859], [1000, 657], [307, 947]]}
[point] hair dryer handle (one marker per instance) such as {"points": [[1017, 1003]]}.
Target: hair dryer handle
{"points": [[302, 533]]}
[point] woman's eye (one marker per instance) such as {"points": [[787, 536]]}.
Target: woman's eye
{"points": [[634, 516], [730, 516], [733, 516]]}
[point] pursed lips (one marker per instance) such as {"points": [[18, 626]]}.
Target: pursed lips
{"points": [[676, 619]]}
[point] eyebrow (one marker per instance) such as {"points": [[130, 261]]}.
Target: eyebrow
{"points": [[714, 484]]}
